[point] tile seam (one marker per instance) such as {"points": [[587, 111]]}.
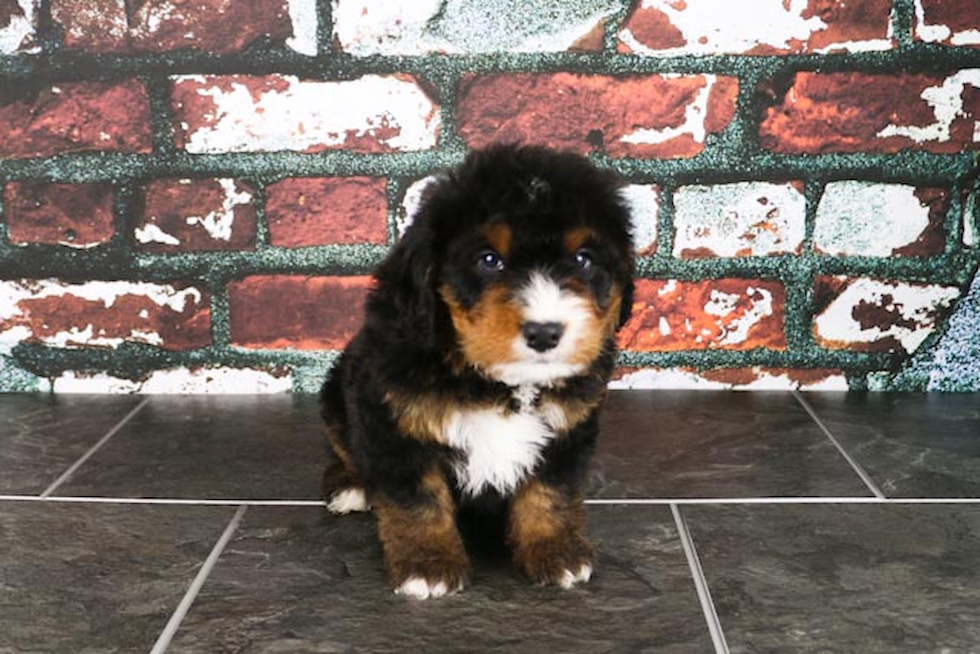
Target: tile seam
{"points": [[66, 475], [166, 636], [700, 583], [695, 501], [857, 467]]}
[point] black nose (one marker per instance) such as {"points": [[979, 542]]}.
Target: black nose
{"points": [[542, 336]]}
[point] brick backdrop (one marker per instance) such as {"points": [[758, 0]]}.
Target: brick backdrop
{"points": [[195, 191]]}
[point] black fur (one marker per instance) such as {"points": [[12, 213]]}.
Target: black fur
{"points": [[408, 345]]}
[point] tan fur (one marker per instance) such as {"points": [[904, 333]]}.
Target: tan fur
{"points": [[499, 237], [547, 532], [577, 238], [565, 414], [422, 415], [487, 331]]}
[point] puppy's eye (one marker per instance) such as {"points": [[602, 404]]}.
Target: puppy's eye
{"points": [[489, 261], [583, 259]]}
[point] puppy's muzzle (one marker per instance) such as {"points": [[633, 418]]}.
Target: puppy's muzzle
{"points": [[542, 336]]}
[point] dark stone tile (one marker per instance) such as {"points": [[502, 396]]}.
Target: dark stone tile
{"points": [[300, 580], [213, 447], [41, 436], [871, 578], [911, 444], [97, 578], [677, 444]]}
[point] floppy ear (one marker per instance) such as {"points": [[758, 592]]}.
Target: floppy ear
{"points": [[626, 303], [405, 297]]}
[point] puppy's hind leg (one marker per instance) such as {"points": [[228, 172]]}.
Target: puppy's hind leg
{"points": [[340, 487], [342, 491]]}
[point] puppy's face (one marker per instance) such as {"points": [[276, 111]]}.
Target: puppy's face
{"points": [[535, 265]]}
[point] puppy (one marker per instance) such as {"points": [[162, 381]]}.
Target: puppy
{"points": [[478, 375]]}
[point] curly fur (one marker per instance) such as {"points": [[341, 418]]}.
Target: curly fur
{"points": [[482, 363]]}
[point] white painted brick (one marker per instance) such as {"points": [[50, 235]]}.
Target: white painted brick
{"points": [[215, 380], [644, 204], [721, 26], [761, 380], [412, 202], [415, 27], [302, 14], [868, 219], [911, 310], [16, 317], [18, 37], [741, 219], [374, 112], [971, 221], [938, 33], [946, 101]]}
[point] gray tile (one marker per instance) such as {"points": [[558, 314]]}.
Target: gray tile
{"points": [[213, 447], [872, 578], [97, 578], [41, 436], [677, 444], [300, 580], [911, 444]]}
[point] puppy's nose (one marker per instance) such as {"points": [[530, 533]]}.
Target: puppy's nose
{"points": [[542, 336]]}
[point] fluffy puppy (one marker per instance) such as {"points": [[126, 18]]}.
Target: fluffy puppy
{"points": [[479, 372]]}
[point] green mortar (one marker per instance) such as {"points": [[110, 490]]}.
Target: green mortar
{"points": [[14, 379], [732, 155]]}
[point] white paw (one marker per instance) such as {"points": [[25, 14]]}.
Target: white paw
{"points": [[582, 576], [346, 501], [419, 588]]}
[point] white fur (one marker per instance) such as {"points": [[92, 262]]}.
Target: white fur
{"points": [[581, 576], [419, 588], [350, 500], [543, 300], [499, 450]]}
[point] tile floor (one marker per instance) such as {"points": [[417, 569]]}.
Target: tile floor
{"points": [[723, 522]]}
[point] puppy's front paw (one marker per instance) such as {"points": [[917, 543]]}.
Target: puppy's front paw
{"points": [[421, 588], [432, 581], [558, 562]]}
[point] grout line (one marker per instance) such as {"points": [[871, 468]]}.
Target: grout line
{"points": [[700, 583], [92, 450], [862, 473], [163, 642], [693, 501], [170, 501]]}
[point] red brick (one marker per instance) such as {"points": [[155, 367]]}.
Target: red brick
{"points": [[731, 314], [77, 117], [324, 211], [948, 22], [189, 215], [162, 25], [242, 113], [104, 314], [296, 311], [76, 215], [630, 116], [860, 112], [706, 27]]}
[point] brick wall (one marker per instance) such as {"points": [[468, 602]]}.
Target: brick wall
{"points": [[193, 193]]}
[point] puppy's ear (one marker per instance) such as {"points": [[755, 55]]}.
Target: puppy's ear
{"points": [[626, 304], [405, 295]]}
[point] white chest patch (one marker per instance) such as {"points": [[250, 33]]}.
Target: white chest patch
{"points": [[498, 449]]}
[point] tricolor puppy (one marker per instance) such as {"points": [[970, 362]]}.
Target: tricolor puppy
{"points": [[478, 375]]}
